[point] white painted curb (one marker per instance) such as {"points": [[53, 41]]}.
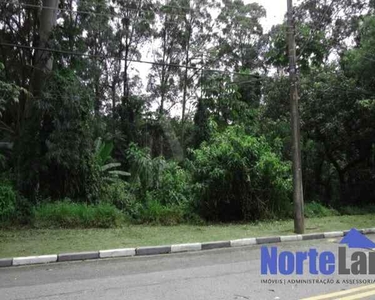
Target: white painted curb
{"points": [[291, 238], [333, 234], [31, 260], [243, 242], [186, 247], [117, 253]]}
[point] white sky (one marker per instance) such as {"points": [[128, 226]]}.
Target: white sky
{"points": [[276, 10]]}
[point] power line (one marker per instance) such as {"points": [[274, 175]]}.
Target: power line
{"points": [[119, 7], [85, 12], [161, 8], [75, 53], [354, 91]]}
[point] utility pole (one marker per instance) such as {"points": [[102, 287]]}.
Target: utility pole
{"points": [[299, 226]]}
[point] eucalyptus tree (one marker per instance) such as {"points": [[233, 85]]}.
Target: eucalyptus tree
{"points": [[240, 46], [31, 27], [324, 30], [133, 28], [18, 26], [240, 38], [338, 20], [84, 32], [163, 77], [196, 41]]}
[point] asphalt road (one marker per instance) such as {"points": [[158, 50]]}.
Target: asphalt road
{"points": [[229, 274]]}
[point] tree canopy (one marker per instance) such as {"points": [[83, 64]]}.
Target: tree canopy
{"points": [[187, 100]]}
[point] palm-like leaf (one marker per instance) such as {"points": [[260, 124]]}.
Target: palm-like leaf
{"points": [[103, 152], [120, 173], [110, 166]]}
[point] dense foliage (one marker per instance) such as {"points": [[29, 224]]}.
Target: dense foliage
{"points": [[175, 111], [240, 178]]}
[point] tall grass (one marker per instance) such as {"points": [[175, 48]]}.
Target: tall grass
{"points": [[65, 214]]}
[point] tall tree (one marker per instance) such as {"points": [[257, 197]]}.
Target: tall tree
{"points": [[196, 38], [240, 37], [163, 78]]}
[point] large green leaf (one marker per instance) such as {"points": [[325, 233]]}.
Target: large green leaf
{"points": [[110, 166]]}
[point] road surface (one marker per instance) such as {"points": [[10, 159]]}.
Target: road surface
{"points": [[230, 274]]}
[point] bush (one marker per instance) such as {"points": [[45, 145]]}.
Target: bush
{"points": [[238, 177], [166, 180], [66, 214], [317, 210], [7, 201], [174, 185], [122, 195], [163, 188]]}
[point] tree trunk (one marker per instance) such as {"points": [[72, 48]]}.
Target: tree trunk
{"points": [[28, 171], [125, 98], [43, 61], [184, 98]]}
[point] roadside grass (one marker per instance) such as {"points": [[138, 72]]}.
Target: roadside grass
{"points": [[25, 242]]}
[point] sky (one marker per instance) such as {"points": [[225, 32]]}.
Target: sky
{"points": [[276, 10]]}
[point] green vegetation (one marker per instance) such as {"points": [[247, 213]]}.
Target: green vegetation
{"points": [[316, 210], [240, 178], [7, 201], [205, 137], [76, 215], [23, 242]]}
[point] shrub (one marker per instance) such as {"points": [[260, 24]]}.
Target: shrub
{"points": [[238, 177], [174, 186], [169, 183], [355, 210], [122, 195], [7, 201], [317, 210], [66, 214], [156, 213], [163, 188]]}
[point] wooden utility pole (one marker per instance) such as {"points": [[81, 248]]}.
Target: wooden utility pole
{"points": [[299, 226]]}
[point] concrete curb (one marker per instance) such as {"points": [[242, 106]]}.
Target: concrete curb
{"points": [[291, 238], [117, 253], [153, 250], [243, 242], [268, 240], [77, 256], [6, 262], [313, 236], [186, 247], [333, 234], [178, 248], [33, 260], [215, 245]]}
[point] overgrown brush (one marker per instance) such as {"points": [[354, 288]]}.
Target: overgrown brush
{"points": [[65, 214], [239, 178], [317, 210]]}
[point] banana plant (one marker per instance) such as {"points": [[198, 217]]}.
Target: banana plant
{"points": [[103, 151]]}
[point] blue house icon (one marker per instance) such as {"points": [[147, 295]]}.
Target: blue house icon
{"points": [[355, 239]]}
